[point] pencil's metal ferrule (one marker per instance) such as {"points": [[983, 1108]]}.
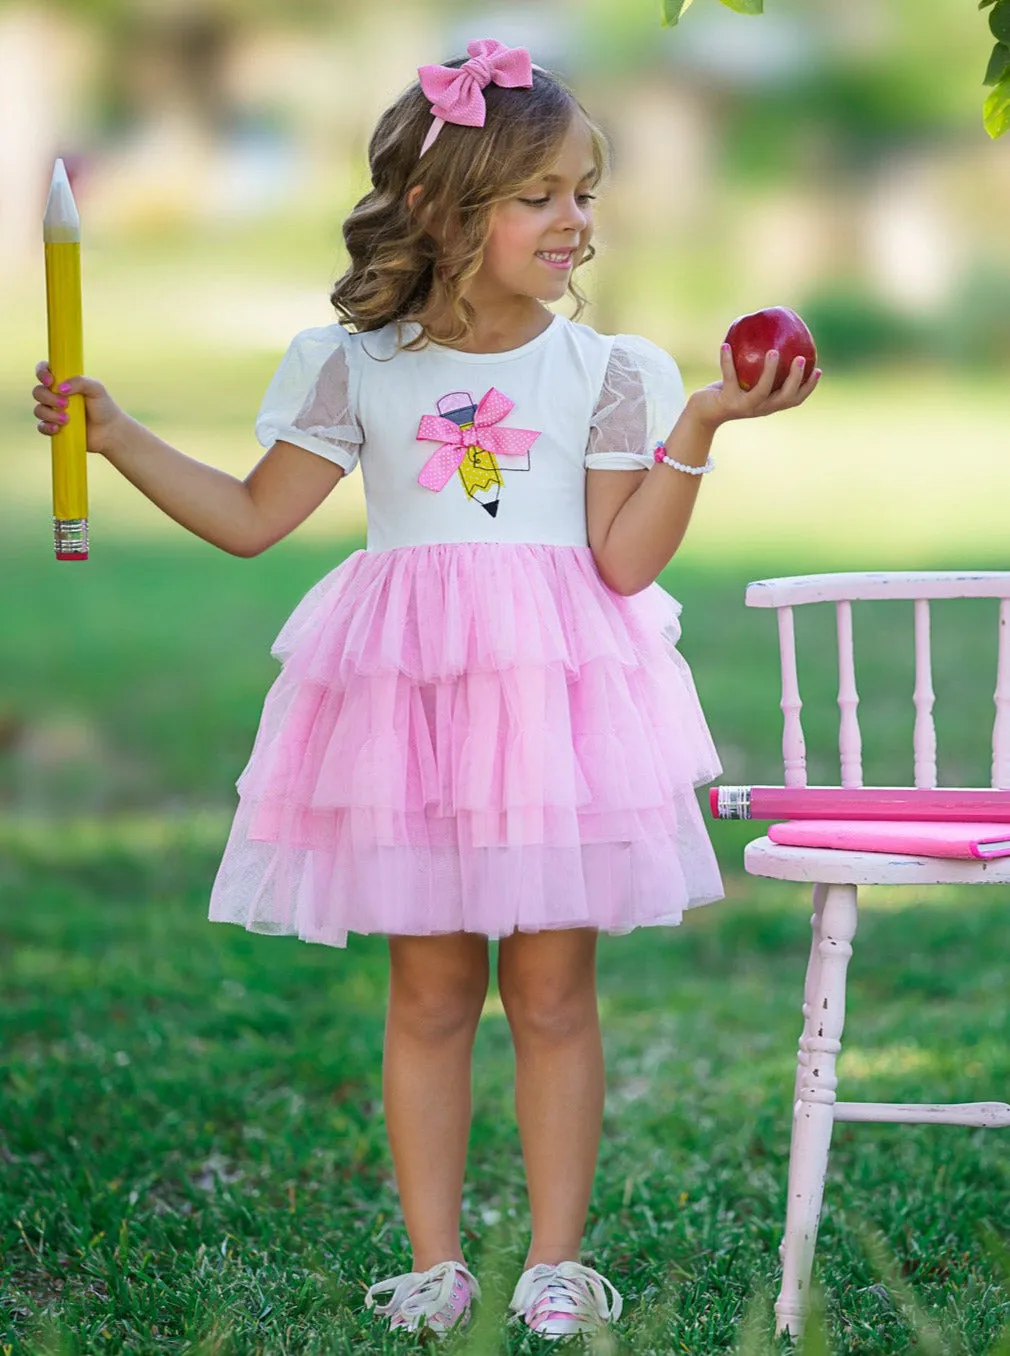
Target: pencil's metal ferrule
{"points": [[734, 802], [70, 538]]}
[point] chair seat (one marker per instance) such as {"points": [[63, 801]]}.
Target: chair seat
{"points": [[829, 866]]}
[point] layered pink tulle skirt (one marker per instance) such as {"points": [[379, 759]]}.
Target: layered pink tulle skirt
{"points": [[473, 737]]}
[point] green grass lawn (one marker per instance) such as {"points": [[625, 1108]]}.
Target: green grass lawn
{"points": [[192, 1152]]}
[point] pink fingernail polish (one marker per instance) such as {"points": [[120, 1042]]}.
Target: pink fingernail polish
{"points": [[65, 388]]}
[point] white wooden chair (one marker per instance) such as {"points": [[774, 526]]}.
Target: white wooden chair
{"points": [[836, 876]]}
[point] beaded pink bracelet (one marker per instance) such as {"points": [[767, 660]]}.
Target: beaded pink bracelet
{"points": [[660, 455]]}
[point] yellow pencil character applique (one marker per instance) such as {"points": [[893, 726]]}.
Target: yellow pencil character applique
{"points": [[471, 445]]}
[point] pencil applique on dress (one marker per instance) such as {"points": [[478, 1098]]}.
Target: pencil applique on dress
{"points": [[471, 445]]}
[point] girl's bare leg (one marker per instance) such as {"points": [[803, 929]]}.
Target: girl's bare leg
{"points": [[547, 982], [437, 987]]}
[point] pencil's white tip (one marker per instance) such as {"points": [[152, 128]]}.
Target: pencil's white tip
{"points": [[61, 221]]}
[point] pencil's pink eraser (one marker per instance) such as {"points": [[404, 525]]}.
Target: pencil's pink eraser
{"points": [[713, 801], [71, 555]]}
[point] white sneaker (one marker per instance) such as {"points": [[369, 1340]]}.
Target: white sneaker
{"points": [[565, 1298], [438, 1298]]}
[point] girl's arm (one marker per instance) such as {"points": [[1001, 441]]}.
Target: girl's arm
{"points": [[242, 517], [637, 519]]}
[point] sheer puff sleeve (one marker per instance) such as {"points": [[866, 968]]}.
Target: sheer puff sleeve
{"points": [[311, 397], [640, 400]]}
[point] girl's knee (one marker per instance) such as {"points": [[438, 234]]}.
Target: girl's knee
{"points": [[551, 1013], [549, 989], [438, 985]]}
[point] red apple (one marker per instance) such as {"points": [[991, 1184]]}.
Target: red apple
{"points": [[751, 336]]}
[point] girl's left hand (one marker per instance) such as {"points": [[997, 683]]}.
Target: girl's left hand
{"points": [[724, 400]]}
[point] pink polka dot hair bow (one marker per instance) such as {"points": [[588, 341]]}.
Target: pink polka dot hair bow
{"points": [[456, 95], [456, 441]]}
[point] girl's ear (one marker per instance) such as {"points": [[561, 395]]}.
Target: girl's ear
{"points": [[419, 210]]}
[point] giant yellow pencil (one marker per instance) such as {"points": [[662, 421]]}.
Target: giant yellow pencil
{"points": [[61, 235]]}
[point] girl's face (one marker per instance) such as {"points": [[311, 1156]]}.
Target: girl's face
{"points": [[540, 235]]}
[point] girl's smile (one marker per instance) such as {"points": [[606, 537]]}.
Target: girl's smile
{"points": [[561, 259]]}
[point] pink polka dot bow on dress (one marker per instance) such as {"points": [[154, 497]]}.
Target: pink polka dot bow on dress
{"points": [[456, 441], [456, 95]]}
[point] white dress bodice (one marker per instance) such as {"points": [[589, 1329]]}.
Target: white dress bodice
{"points": [[464, 447]]}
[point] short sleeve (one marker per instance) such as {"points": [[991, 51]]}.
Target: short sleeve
{"points": [[640, 400], [311, 397]]}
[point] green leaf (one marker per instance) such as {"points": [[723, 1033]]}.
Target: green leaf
{"points": [[984, 4], [753, 6], [997, 109], [672, 11], [999, 21], [999, 64]]}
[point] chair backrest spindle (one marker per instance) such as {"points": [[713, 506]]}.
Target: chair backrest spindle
{"points": [[794, 755], [850, 742], [924, 737]]}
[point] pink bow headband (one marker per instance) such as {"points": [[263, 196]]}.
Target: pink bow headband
{"points": [[456, 95]]}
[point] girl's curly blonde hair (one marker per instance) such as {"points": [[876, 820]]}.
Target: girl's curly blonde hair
{"points": [[398, 270]]}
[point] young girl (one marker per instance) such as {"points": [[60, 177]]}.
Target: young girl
{"points": [[482, 728]]}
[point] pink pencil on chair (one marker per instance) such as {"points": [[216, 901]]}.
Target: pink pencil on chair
{"points": [[930, 804]]}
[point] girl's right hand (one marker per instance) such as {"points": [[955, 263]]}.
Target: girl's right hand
{"points": [[103, 416]]}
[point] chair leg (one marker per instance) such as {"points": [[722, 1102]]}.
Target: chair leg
{"points": [[810, 986], [813, 1113], [809, 989]]}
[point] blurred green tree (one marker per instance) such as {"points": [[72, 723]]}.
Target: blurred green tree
{"points": [[996, 111]]}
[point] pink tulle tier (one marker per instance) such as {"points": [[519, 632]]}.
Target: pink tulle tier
{"points": [[477, 737]]}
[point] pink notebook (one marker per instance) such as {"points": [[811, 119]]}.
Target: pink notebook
{"points": [[909, 837]]}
